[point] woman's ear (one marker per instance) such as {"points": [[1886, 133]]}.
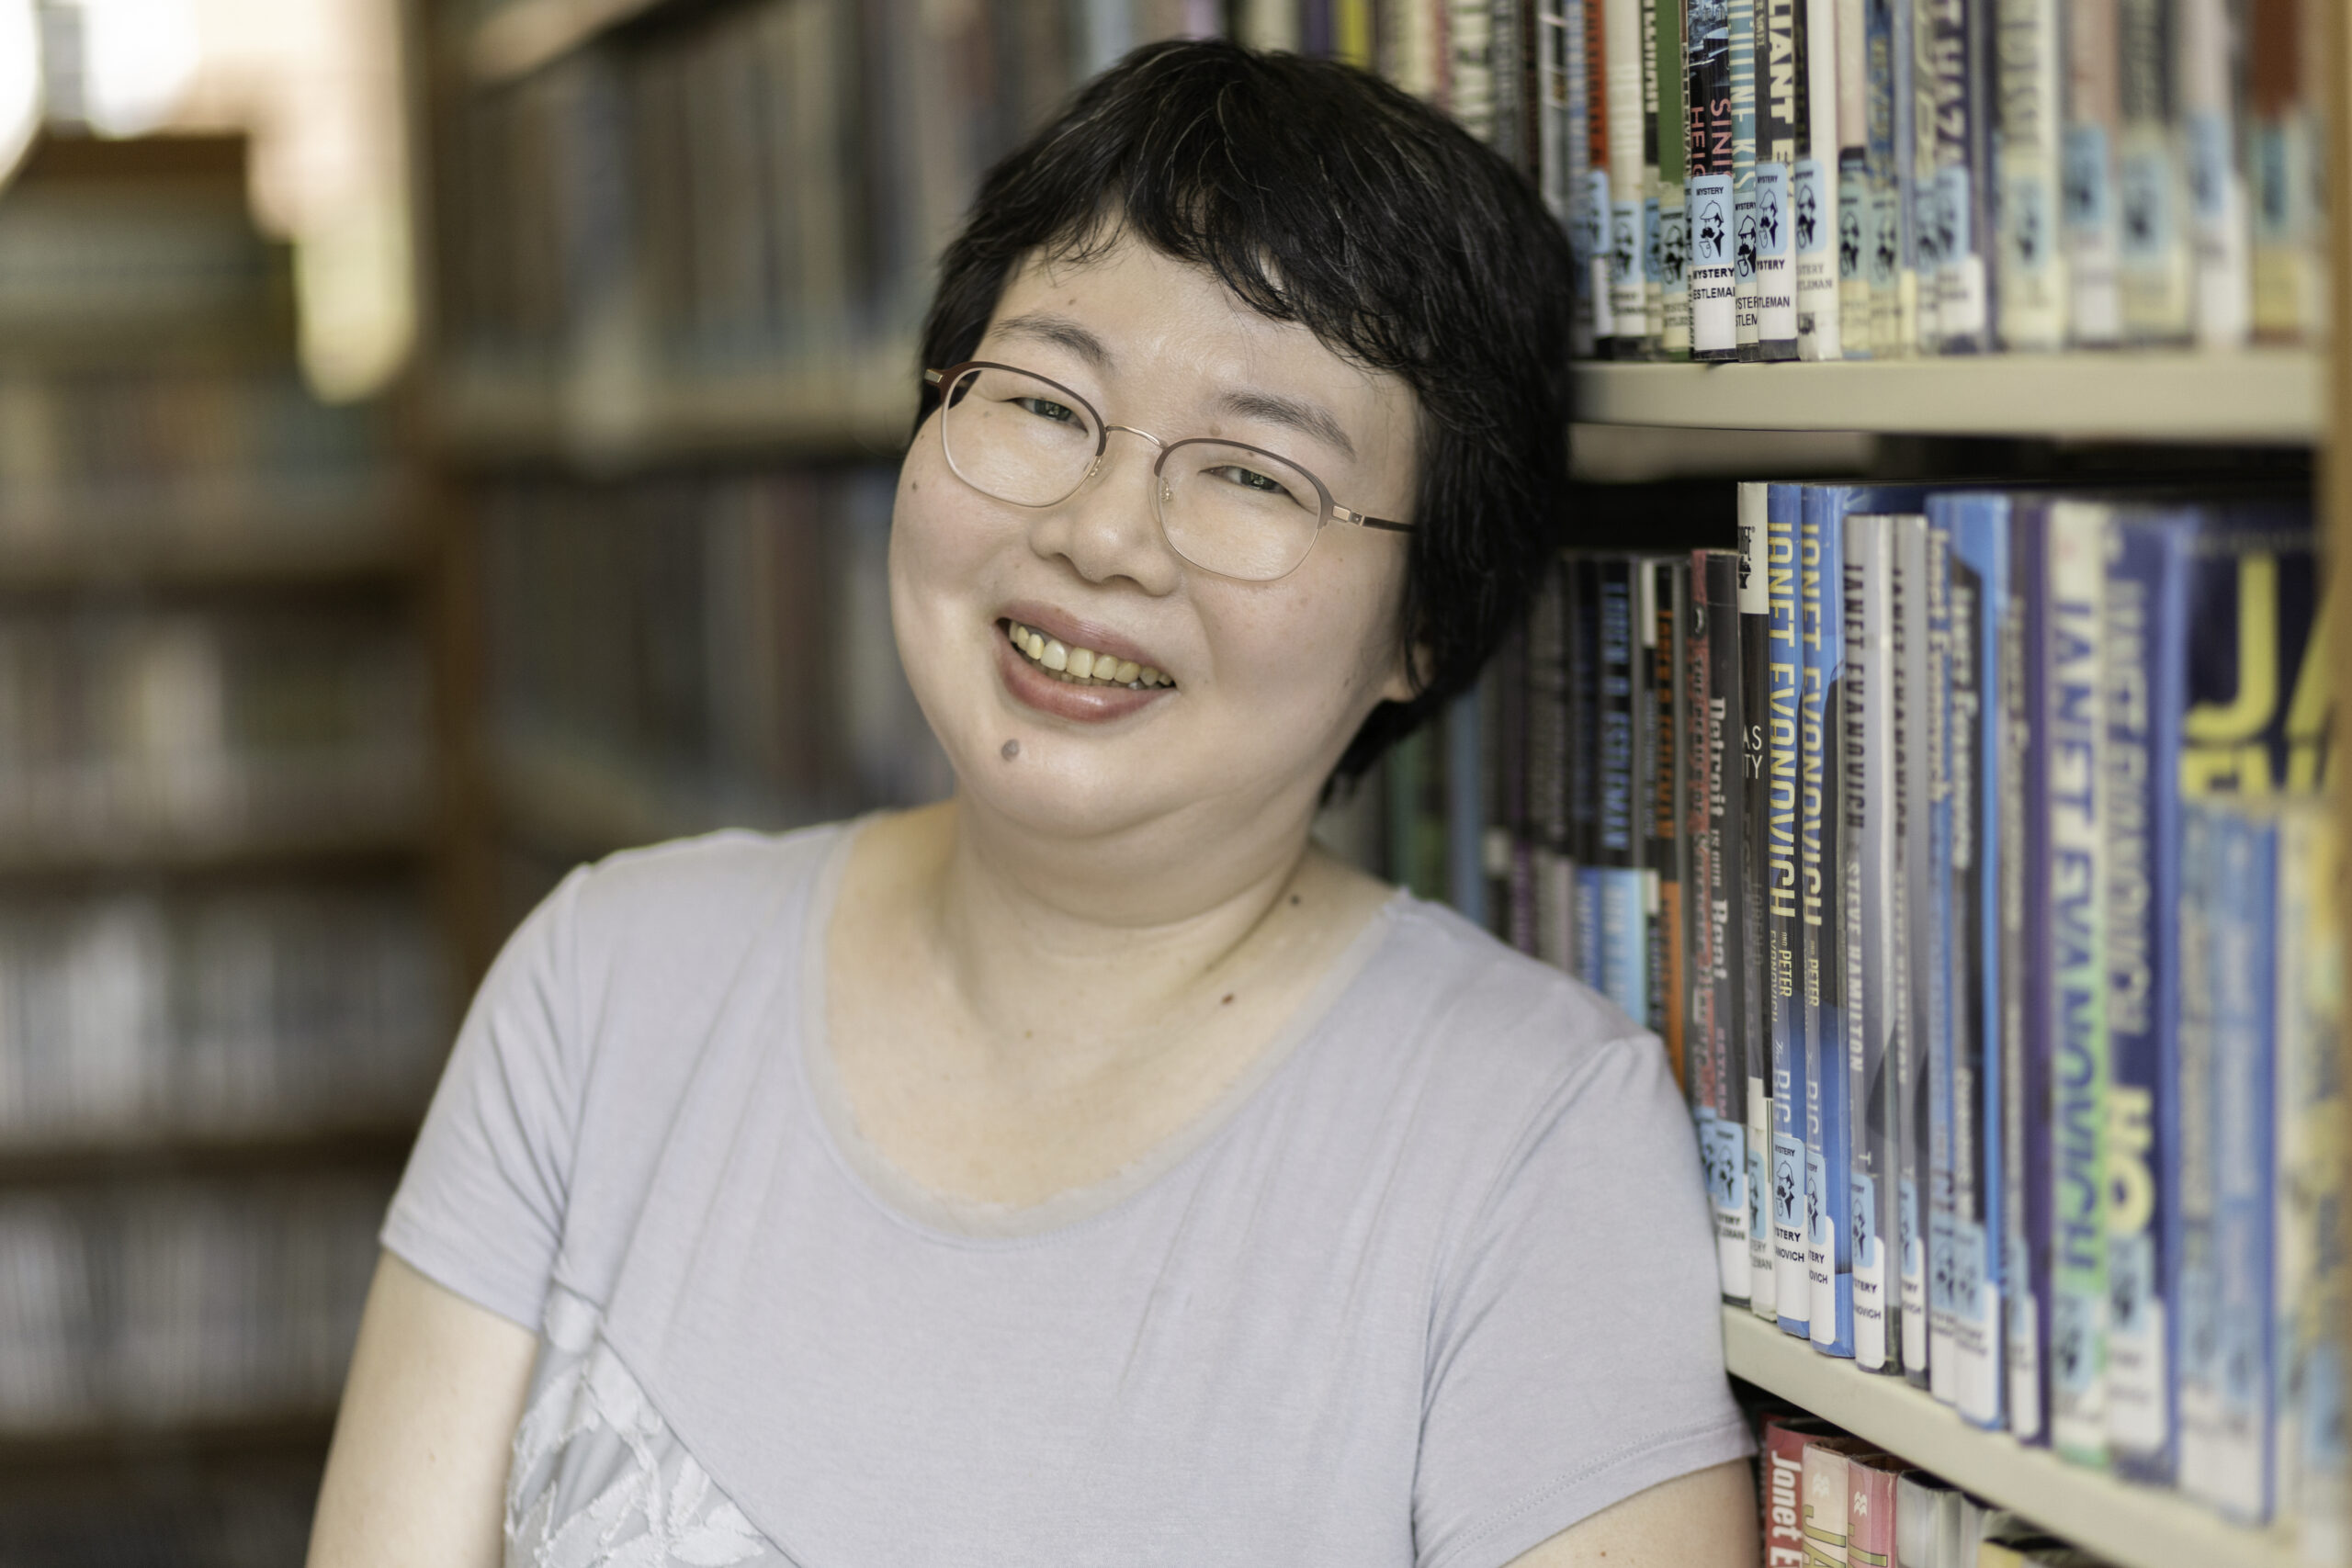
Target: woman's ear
{"points": [[1400, 686]]}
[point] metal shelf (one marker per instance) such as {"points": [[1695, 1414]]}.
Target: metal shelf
{"points": [[2134, 1527], [2258, 396]]}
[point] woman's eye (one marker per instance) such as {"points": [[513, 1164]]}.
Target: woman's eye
{"points": [[1249, 479], [1045, 408]]}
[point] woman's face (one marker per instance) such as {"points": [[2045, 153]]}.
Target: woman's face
{"points": [[1271, 680]]}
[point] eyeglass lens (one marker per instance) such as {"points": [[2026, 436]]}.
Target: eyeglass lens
{"points": [[1225, 508]]}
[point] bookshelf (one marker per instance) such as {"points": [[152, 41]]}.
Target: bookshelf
{"points": [[2268, 397], [2129, 1525]]}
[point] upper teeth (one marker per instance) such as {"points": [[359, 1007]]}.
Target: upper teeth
{"points": [[1083, 665]]}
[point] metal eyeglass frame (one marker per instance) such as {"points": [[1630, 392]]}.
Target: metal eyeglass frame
{"points": [[1332, 511]]}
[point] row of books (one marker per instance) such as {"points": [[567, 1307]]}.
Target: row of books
{"points": [[1826, 179], [755, 187], [188, 730], [720, 640], [157, 1303], [1828, 1496], [175, 436], [1925, 826], [215, 1012]]}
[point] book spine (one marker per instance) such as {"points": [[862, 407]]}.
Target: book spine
{"points": [[1866, 860], [2194, 1284], [1782, 1467], [1653, 132], [1753, 869], [1721, 824], [1584, 769], [2285, 88], [2030, 268], [2145, 638], [2209, 72], [1784, 683], [1872, 1512], [1815, 183], [1662, 596], [1599, 207], [1743, 30], [1587, 225], [2025, 1061], [1883, 235], [1979, 579], [1932, 975], [1555, 123], [1914, 1076], [1548, 765], [1853, 175], [2231, 1467], [1903, 65], [2307, 1396], [1958, 48], [2070, 788], [1620, 902], [1828, 1496], [1709, 199], [1781, 126], [2154, 259], [1628, 129], [1669, 249], [2092, 205], [1921, 159], [1830, 1260]]}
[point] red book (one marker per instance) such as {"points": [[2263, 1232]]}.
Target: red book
{"points": [[1782, 1493], [1828, 1496], [1870, 1510]]}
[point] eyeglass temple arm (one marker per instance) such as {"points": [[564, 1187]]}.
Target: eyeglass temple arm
{"points": [[1340, 513]]}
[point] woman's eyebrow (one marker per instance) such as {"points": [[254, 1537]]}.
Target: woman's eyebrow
{"points": [[1306, 418], [1044, 326]]}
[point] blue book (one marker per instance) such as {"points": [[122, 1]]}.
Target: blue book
{"points": [[1916, 683], [1821, 924], [2226, 1426], [2025, 977], [2148, 635], [2196, 1185], [1784, 999], [1977, 590], [1821, 725], [1870, 895], [1620, 895], [1934, 974], [1584, 772]]}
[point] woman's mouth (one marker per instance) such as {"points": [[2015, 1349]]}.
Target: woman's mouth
{"points": [[1082, 666]]}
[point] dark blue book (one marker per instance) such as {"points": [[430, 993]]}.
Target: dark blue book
{"points": [[1977, 586], [1619, 827], [1821, 724]]}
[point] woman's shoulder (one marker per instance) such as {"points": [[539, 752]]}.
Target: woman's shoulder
{"points": [[1483, 1027], [691, 895]]}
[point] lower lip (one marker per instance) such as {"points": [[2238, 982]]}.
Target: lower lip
{"points": [[1034, 687]]}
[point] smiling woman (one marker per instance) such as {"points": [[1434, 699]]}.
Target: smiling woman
{"points": [[1086, 1168]]}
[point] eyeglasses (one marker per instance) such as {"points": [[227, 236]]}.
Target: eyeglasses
{"points": [[1230, 508]]}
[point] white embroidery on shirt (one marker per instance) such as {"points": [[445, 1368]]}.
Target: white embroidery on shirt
{"points": [[599, 1480]]}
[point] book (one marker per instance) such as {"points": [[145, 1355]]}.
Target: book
{"points": [[1718, 898], [2030, 255], [1867, 858], [1854, 177], [1744, 28], [2067, 909], [2146, 637], [2092, 206], [1593, 222], [1781, 1495], [2209, 76], [2153, 257], [1828, 1496], [1955, 205], [1977, 571], [2024, 1032], [1816, 189], [1710, 198], [1871, 1509], [1821, 927], [2307, 1107], [1886, 38], [1663, 589], [1931, 977], [1669, 234], [1784, 997], [2285, 86], [1923, 1511], [1782, 126], [1630, 132], [1917, 680], [1755, 871]]}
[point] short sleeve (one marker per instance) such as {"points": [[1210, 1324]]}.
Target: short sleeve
{"points": [[1576, 1348], [480, 1207]]}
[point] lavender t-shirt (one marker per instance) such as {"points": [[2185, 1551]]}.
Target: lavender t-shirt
{"points": [[1433, 1282]]}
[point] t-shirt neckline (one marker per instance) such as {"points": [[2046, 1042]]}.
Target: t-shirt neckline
{"points": [[970, 1221]]}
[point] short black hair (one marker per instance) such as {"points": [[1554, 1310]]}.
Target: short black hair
{"points": [[1322, 195]]}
